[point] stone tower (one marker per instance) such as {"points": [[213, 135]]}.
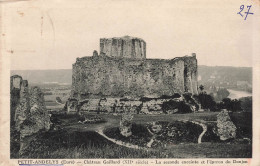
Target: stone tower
{"points": [[124, 47]]}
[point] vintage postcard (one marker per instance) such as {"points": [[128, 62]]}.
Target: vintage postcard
{"points": [[129, 82]]}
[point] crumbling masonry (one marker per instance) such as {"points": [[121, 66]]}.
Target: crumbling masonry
{"points": [[121, 70]]}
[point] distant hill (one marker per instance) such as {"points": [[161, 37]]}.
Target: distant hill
{"points": [[239, 78], [45, 76], [225, 73], [207, 75]]}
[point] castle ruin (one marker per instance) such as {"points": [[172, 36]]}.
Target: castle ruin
{"points": [[121, 70]]}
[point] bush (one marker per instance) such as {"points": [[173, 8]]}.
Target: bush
{"points": [[221, 94], [175, 95], [246, 103], [169, 105], [206, 101], [231, 105], [180, 105], [184, 108]]}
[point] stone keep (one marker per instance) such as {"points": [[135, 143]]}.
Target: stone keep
{"points": [[122, 70], [126, 47]]}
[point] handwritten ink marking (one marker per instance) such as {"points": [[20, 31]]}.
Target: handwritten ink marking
{"points": [[249, 7], [242, 8]]}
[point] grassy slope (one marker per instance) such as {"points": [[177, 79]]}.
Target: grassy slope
{"points": [[80, 141]]}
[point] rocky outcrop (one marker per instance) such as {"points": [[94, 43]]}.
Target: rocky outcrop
{"points": [[165, 104], [18, 89], [174, 132], [135, 106], [28, 113], [156, 127], [28, 110], [110, 75], [37, 117], [22, 110], [225, 127], [124, 47], [126, 124]]}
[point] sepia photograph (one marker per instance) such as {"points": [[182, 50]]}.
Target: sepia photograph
{"points": [[114, 79]]}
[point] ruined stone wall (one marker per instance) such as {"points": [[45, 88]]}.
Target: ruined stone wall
{"points": [[137, 106], [16, 92], [104, 76], [191, 74], [28, 110], [127, 47]]}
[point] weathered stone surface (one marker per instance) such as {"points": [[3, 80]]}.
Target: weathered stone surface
{"points": [[30, 114], [126, 124], [28, 111], [226, 128], [137, 106], [172, 132], [190, 74], [103, 76], [72, 105], [122, 71], [23, 108], [95, 53], [15, 89], [124, 47], [156, 127], [16, 82]]}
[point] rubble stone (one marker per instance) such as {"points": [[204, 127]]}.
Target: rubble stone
{"points": [[225, 127], [126, 124]]}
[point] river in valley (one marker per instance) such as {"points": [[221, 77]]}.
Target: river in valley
{"points": [[236, 94]]}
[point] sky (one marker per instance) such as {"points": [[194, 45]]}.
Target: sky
{"points": [[52, 34]]}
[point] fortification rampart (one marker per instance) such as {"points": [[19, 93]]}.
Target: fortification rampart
{"points": [[105, 76]]}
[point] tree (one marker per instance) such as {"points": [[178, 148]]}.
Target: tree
{"points": [[226, 103], [236, 105], [206, 101], [184, 108], [169, 105], [180, 105], [221, 94], [246, 103], [231, 105], [201, 87]]}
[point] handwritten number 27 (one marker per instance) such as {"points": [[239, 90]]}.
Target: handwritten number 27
{"points": [[242, 8]]}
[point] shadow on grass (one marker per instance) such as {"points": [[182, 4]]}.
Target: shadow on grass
{"points": [[61, 144]]}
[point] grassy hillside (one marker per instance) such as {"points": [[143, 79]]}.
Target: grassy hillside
{"points": [[75, 140]]}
